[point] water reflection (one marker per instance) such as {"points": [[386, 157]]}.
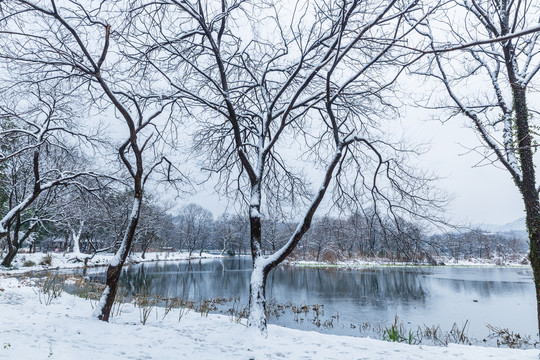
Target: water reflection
{"points": [[425, 295]]}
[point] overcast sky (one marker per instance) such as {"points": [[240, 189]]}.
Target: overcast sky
{"points": [[482, 194]]}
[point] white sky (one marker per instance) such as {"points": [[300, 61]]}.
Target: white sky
{"points": [[482, 195]]}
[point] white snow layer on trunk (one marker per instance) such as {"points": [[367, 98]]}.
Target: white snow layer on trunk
{"points": [[76, 247], [115, 261], [265, 261], [257, 316], [76, 239], [255, 201], [11, 214], [99, 307]]}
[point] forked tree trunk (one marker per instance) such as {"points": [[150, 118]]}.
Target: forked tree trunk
{"points": [[103, 310], [15, 243], [145, 247], [263, 265], [11, 252]]}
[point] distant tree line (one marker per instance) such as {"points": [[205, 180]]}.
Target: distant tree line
{"points": [[92, 225]]}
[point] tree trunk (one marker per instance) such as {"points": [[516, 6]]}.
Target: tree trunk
{"points": [[16, 243], [534, 257], [76, 244], [261, 265], [8, 259], [257, 299], [144, 250], [9, 256], [527, 186], [103, 310]]}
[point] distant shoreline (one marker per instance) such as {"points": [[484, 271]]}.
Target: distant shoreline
{"points": [[441, 262]]}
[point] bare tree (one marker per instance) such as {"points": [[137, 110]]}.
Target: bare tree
{"points": [[225, 232], [321, 239], [231, 232], [155, 224], [79, 208], [83, 45], [38, 137], [317, 84], [194, 227], [499, 52]]}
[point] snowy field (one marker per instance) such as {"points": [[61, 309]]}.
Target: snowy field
{"points": [[64, 329], [27, 262]]}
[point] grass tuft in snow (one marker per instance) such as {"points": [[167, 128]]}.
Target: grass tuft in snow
{"points": [[239, 311], [508, 338], [46, 261], [29, 263], [50, 288], [146, 303], [397, 333]]}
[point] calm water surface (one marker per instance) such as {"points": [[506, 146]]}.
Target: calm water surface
{"points": [[502, 297]]}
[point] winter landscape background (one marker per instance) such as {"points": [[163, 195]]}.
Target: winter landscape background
{"points": [[269, 179]]}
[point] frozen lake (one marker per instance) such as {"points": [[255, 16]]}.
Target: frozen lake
{"points": [[503, 297]]}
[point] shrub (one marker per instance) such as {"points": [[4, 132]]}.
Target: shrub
{"points": [[47, 260], [29, 263]]}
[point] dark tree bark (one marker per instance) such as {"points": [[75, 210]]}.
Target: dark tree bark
{"points": [[115, 267], [527, 186], [15, 243]]}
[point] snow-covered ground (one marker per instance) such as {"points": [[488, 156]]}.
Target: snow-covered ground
{"points": [[360, 263], [64, 329], [27, 262]]}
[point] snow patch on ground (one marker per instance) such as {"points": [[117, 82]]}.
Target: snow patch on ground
{"points": [[72, 261], [65, 330]]}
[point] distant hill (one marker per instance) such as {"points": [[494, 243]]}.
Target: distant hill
{"points": [[516, 225]]}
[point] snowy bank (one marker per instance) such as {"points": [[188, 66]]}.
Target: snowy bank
{"points": [[377, 262], [28, 262], [29, 329]]}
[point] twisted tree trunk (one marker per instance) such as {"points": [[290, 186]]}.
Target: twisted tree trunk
{"points": [[103, 310]]}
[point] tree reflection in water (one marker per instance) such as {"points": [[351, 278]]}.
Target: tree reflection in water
{"points": [[418, 295]]}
